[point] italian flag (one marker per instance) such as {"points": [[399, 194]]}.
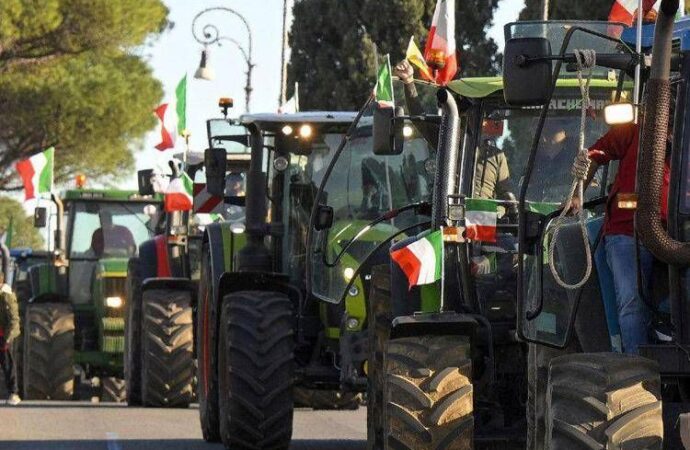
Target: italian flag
{"points": [[625, 10], [422, 260], [173, 117], [37, 173], [440, 48], [179, 194], [480, 219], [384, 85]]}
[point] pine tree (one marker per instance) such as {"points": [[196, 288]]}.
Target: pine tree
{"points": [[335, 43]]}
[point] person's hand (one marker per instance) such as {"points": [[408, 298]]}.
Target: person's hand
{"points": [[404, 71], [575, 205]]}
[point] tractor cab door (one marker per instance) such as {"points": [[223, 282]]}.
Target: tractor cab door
{"points": [[562, 270], [355, 218]]}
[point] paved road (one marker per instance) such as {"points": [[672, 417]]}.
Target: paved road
{"points": [[85, 426]]}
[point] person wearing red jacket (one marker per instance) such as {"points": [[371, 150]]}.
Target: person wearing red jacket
{"points": [[621, 143]]}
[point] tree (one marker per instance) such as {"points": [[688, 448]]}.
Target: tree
{"points": [[23, 232], [568, 10], [333, 51], [69, 78]]}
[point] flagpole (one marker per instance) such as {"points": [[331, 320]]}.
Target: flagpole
{"points": [[296, 95], [638, 50]]}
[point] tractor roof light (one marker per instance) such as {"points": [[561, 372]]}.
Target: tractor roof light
{"points": [[113, 302], [80, 180], [287, 130]]}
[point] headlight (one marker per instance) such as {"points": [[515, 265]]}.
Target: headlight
{"points": [[113, 302], [305, 131], [348, 273]]}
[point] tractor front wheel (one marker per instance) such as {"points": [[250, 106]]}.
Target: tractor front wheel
{"points": [[49, 352], [428, 393], [255, 370], [167, 366]]}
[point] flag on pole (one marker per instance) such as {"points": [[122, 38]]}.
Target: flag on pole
{"points": [[179, 194], [624, 11], [37, 173], [173, 116], [415, 57], [7, 235], [480, 219], [384, 85], [422, 260], [440, 49]]}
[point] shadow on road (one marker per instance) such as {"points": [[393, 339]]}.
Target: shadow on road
{"points": [[168, 444]]}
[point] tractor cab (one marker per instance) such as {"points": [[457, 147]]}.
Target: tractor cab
{"points": [[570, 305]]}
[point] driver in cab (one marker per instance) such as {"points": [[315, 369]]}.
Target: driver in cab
{"points": [[111, 237]]}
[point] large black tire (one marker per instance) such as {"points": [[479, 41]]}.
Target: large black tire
{"points": [[326, 399], [379, 318], [49, 352], [133, 333], [167, 365], [604, 401], [207, 352], [113, 390], [256, 366], [428, 393]]}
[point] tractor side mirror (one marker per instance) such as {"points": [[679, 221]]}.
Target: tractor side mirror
{"points": [[215, 161], [619, 113], [144, 181], [324, 218], [40, 217], [527, 71], [388, 131]]}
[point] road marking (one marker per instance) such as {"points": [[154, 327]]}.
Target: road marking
{"points": [[112, 441]]}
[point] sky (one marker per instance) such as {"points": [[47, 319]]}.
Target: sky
{"points": [[176, 52]]}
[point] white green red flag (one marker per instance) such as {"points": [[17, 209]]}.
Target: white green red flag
{"points": [[480, 219], [384, 85], [422, 260], [178, 195], [624, 11], [37, 173], [173, 117], [440, 50]]}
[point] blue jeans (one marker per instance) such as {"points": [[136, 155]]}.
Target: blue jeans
{"points": [[632, 311]]}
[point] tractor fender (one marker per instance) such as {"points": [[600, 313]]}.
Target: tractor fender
{"points": [[217, 236], [154, 258], [253, 281], [444, 323], [169, 283]]}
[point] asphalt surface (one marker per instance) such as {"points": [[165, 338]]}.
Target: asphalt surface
{"points": [[86, 426]]}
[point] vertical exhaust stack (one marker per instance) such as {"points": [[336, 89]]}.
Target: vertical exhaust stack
{"points": [[650, 167], [446, 157]]}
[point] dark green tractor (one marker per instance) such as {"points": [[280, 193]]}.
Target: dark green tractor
{"points": [[73, 326]]}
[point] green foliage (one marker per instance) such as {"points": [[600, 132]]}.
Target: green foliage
{"points": [[69, 78], [568, 10], [24, 234], [334, 44]]}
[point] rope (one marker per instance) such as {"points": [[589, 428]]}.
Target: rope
{"points": [[586, 60]]}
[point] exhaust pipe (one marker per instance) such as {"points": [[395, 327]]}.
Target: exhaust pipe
{"points": [[446, 157], [652, 156]]}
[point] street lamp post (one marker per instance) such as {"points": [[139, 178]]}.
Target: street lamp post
{"points": [[210, 34]]}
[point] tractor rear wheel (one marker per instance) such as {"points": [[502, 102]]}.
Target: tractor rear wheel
{"points": [[113, 390], [255, 370], [133, 333], [167, 366], [207, 351], [326, 399], [379, 318], [428, 393], [49, 352], [604, 400]]}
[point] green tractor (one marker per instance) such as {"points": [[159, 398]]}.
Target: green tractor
{"points": [[73, 326], [160, 366], [445, 367], [264, 344]]}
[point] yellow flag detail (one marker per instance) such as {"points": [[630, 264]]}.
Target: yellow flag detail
{"points": [[415, 57]]}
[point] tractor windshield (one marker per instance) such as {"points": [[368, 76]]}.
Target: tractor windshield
{"points": [[361, 188], [107, 229]]}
